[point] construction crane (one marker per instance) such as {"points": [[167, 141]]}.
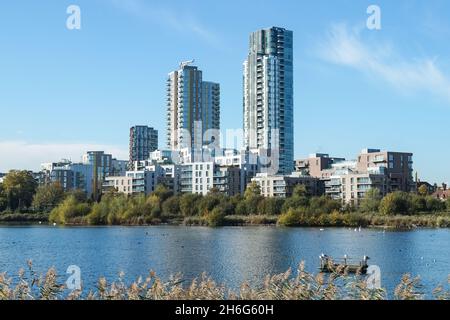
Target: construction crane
{"points": [[186, 63]]}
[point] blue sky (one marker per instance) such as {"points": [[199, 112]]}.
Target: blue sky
{"points": [[65, 91]]}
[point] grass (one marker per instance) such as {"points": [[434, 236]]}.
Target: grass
{"points": [[284, 286]]}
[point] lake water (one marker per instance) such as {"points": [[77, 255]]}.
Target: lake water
{"points": [[229, 255]]}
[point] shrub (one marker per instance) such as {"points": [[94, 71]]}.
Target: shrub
{"points": [[68, 210], [290, 219], [209, 202], [434, 205], [295, 203], [396, 203], [324, 204], [215, 218], [371, 201], [241, 209], [418, 203], [171, 207], [188, 204], [271, 206], [48, 197]]}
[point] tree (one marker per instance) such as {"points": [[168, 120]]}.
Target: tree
{"points": [[271, 206], [3, 199], [423, 190], [154, 205], [253, 190], [209, 202], [371, 201], [48, 197], [434, 205], [299, 199], [69, 209], [162, 192], [290, 219], [396, 203], [300, 191], [418, 203], [188, 204], [171, 206], [448, 204], [19, 187], [324, 204], [215, 218], [80, 195], [252, 197]]}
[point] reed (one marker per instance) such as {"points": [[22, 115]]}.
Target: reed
{"points": [[284, 286]]}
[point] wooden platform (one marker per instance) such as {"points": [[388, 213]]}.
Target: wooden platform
{"points": [[344, 265]]}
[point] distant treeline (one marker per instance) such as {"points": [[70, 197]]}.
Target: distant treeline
{"points": [[20, 197]]}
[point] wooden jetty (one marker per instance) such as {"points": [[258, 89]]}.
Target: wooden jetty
{"points": [[344, 265]]}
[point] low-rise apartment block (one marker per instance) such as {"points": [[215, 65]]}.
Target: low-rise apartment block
{"points": [[202, 177], [134, 182], [350, 180], [71, 176], [283, 185], [397, 166]]}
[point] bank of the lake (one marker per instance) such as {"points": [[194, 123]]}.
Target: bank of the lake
{"points": [[345, 220]]}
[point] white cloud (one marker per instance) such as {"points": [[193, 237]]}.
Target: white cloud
{"points": [[180, 21], [345, 47], [22, 155]]}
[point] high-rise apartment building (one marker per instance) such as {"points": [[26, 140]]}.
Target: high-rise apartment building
{"points": [[101, 164], [193, 109], [143, 140], [268, 95]]}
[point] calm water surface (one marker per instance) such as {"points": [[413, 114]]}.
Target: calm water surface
{"points": [[229, 255]]}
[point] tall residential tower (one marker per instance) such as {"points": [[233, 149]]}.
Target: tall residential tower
{"points": [[143, 140], [193, 109], [268, 95]]}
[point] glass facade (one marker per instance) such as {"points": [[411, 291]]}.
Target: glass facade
{"points": [[268, 95]]}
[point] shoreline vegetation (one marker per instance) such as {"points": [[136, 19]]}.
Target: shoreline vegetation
{"points": [[285, 286], [22, 201]]}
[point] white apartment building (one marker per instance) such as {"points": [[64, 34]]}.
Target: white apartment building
{"points": [[193, 109], [282, 186], [197, 177], [350, 186], [134, 182]]}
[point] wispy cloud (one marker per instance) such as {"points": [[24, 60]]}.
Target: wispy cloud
{"points": [[180, 21], [344, 46], [23, 155]]}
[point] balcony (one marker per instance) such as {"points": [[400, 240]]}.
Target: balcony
{"points": [[379, 160], [333, 190]]}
